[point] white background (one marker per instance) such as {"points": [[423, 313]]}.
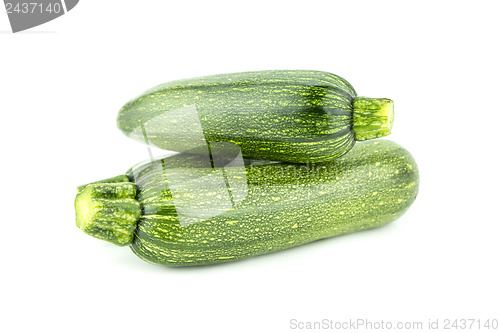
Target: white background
{"points": [[62, 84]]}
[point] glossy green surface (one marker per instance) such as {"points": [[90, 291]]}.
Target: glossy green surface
{"points": [[286, 205], [294, 116]]}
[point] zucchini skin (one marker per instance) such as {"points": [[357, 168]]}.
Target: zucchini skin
{"points": [[295, 116], [286, 205]]}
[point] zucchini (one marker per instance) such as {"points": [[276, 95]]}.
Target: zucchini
{"points": [[284, 204], [295, 116]]}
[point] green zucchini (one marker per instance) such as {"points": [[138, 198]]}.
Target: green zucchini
{"points": [[295, 116], [284, 204]]}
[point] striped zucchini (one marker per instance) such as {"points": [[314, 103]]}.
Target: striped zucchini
{"points": [[294, 116], [283, 205]]}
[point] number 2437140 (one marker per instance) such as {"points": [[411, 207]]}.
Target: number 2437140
{"points": [[470, 324], [32, 7]]}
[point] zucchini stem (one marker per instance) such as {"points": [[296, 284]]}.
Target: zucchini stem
{"points": [[108, 211], [372, 117]]}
